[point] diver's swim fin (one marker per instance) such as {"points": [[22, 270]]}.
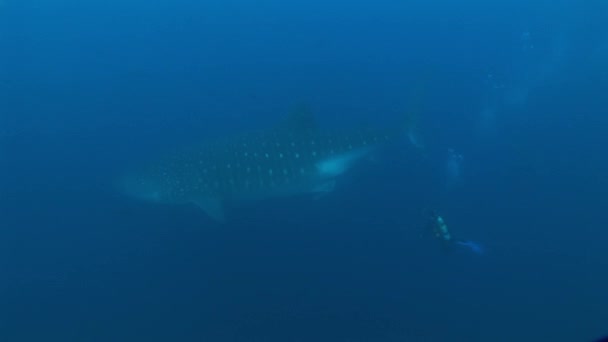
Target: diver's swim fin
{"points": [[471, 245]]}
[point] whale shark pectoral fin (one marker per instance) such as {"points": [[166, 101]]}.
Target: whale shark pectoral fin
{"points": [[212, 207], [323, 189]]}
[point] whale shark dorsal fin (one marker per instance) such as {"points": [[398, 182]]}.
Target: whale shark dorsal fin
{"points": [[300, 120], [212, 207]]}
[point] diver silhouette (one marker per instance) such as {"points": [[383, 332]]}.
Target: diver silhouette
{"points": [[438, 228]]}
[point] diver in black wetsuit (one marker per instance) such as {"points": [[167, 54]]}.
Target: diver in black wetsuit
{"points": [[439, 229], [436, 226]]}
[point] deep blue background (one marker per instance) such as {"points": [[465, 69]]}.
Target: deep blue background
{"points": [[517, 87]]}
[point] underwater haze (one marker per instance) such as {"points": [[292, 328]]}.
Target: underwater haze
{"points": [[503, 111]]}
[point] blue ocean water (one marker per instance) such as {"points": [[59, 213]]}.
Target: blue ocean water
{"points": [[514, 89]]}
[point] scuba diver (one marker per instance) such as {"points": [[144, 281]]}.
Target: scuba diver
{"points": [[437, 226]]}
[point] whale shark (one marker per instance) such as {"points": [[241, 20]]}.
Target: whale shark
{"points": [[295, 157]]}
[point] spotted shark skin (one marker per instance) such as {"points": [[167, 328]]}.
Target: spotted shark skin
{"points": [[276, 163]]}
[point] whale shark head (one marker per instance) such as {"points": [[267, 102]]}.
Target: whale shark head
{"points": [[142, 186], [141, 189]]}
